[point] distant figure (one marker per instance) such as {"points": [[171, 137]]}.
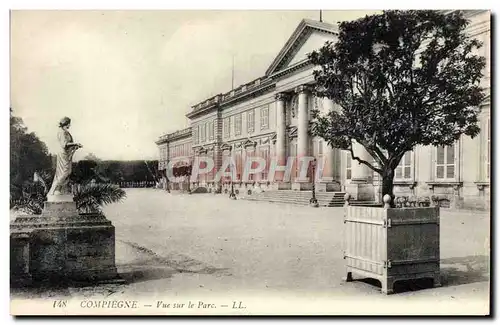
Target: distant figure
{"points": [[64, 159]]}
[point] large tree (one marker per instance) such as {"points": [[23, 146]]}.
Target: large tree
{"points": [[399, 79], [28, 154]]}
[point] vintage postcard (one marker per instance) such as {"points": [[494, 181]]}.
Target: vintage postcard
{"points": [[284, 162]]}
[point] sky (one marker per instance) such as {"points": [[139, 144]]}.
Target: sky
{"points": [[127, 77]]}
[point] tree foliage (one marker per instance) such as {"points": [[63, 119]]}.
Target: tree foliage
{"points": [[91, 197], [399, 79], [113, 171], [28, 154]]}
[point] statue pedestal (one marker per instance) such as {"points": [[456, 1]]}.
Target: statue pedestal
{"points": [[60, 198], [63, 245]]}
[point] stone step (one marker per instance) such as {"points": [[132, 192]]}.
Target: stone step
{"points": [[328, 199], [293, 199], [299, 198], [318, 195]]}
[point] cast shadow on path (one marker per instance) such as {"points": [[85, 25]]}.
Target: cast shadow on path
{"points": [[151, 266], [454, 271], [136, 264]]}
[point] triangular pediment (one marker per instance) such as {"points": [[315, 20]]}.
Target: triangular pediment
{"points": [[309, 35], [201, 150], [249, 143], [225, 146]]}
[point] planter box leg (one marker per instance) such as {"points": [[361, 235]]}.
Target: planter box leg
{"points": [[348, 278], [437, 280], [387, 286]]}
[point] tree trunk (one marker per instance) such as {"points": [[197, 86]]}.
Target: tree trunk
{"points": [[388, 185]]}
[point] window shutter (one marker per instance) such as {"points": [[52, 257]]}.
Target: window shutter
{"points": [[450, 161], [440, 152], [348, 166]]}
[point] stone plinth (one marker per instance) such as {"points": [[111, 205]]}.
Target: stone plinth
{"points": [[301, 186], [284, 185], [361, 190], [328, 185], [63, 245], [20, 257]]}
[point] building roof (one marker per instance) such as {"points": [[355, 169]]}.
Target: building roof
{"points": [[180, 134], [291, 43], [297, 38]]}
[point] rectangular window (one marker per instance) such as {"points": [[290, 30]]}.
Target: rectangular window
{"points": [[250, 153], [239, 164], [403, 171], [195, 135], [348, 166], [264, 153], [211, 132], [227, 127], [445, 162], [264, 118], [202, 133], [225, 157], [210, 175], [237, 124], [251, 121]]}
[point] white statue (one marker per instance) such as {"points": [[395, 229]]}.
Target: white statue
{"points": [[65, 154]]}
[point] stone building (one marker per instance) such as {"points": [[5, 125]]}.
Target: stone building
{"points": [[175, 146], [269, 117]]}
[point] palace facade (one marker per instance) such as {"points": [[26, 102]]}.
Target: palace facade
{"points": [[269, 117]]}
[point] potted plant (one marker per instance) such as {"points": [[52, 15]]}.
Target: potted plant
{"points": [[389, 98]]}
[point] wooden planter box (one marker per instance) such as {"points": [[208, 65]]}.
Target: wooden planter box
{"points": [[392, 244]]}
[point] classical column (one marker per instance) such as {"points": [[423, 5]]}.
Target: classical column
{"points": [[303, 121], [302, 136], [281, 131], [361, 172], [330, 179], [328, 151], [361, 185]]}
